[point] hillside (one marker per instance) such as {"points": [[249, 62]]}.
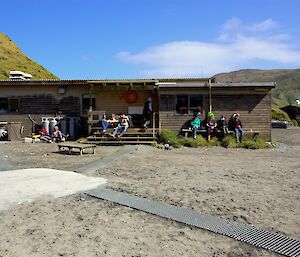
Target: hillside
{"points": [[12, 58], [287, 88]]}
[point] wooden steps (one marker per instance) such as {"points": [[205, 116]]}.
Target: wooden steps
{"points": [[133, 136], [117, 142]]}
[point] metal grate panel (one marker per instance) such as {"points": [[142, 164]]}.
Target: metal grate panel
{"points": [[243, 232]]}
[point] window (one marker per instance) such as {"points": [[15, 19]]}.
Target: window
{"points": [[166, 102], [86, 103], [3, 105], [195, 101], [182, 104], [13, 104], [187, 104]]}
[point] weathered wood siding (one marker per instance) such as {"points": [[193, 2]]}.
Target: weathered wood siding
{"points": [[40, 99], [25, 121], [112, 101], [254, 108]]}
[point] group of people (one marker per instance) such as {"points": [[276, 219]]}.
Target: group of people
{"points": [[57, 136], [212, 126], [121, 123]]}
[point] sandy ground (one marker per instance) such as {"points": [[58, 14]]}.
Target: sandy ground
{"points": [[27, 185], [43, 155], [260, 187]]}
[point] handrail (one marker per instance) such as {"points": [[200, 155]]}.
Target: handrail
{"points": [[153, 123], [91, 120]]}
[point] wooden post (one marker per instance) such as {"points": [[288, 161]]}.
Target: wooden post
{"points": [[91, 98], [210, 105], [153, 118]]}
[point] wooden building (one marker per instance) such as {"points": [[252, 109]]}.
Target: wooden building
{"points": [[174, 100]]}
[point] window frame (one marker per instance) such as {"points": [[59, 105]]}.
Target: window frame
{"points": [[87, 96], [189, 113]]}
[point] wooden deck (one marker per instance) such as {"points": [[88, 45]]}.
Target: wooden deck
{"points": [[133, 136]]}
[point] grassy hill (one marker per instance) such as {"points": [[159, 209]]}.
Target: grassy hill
{"points": [[12, 58], [287, 82]]}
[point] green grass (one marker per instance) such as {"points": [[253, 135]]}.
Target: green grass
{"points": [[175, 140], [169, 137], [12, 58], [294, 123], [278, 114], [259, 143]]}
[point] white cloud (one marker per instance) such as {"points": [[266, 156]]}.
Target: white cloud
{"points": [[266, 25], [238, 46]]}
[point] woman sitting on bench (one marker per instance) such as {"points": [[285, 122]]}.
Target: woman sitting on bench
{"points": [[211, 126], [195, 123]]}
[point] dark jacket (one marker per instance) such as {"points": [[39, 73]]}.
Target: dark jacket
{"points": [[236, 123]]}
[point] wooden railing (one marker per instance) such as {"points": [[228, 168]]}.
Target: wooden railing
{"points": [[93, 118]]}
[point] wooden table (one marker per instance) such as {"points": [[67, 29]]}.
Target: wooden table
{"points": [[71, 146]]}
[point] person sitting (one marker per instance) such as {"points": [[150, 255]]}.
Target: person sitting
{"points": [[223, 125], [122, 126], [195, 124], [238, 128], [210, 127], [108, 123], [45, 136], [57, 136]]}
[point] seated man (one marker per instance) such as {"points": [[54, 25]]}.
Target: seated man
{"points": [[223, 125], [195, 124], [238, 128], [108, 123], [210, 127], [122, 126], [57, 136]]}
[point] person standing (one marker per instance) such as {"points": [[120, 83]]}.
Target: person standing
{"points": [[238, 128], [147, 112]]}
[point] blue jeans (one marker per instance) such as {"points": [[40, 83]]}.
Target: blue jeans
{"points": [[121, 129], [194, 130], [105, 125], [238, 132]]}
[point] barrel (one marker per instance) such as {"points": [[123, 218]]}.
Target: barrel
{"points": [[72, 127], [45, 124], [52, 124], [63, 125]]}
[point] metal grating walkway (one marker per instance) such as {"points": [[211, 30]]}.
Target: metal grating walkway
{"points": [[242, 232]]}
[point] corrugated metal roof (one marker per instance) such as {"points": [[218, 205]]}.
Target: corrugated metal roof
{"points": [[203, 82], [220, 85], [106, 80]]}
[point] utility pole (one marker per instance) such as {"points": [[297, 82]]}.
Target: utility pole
{"points": [[210, 105]]}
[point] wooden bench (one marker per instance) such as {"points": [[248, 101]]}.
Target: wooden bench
{"points": [[187, 131], [71, 146]]}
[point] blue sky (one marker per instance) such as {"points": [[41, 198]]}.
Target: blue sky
{"points": [[79, 39]]}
